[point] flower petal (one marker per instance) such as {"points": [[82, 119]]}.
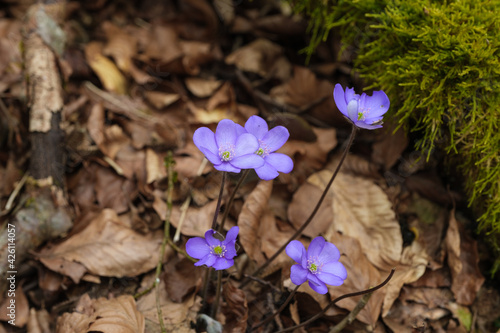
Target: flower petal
{"points": [[319, 288], [339, 97], [225, 134], [208, 260], [211, 240], [249, 161], [329, 253], [330, 279], [231, 235], [213, 158], [257, 126], [204, 137], [352, 110], [240, 129], [225, 166], [375, 105], [197, 247], [298, 275], [281, 162], [267, 171], [335, 268], [223, 263], [246, 144], [362, 124], [276, 138], [296, 251], [230, 250], [316, 247], [350, 94]]}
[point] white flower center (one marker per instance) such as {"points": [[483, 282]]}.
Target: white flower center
{"points": [[219, 250], [263, 149], [313, 265], [226, 152]]}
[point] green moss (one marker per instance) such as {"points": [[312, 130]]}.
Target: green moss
{"points": [[439, 62]]}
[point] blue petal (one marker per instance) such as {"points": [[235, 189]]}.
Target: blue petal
{"points": [[249, 161], [232, 234], [240, 129], [330, 279], [316, 247], [267, 171], [362, 124], [335, 268], [225, 134], [352, 110], [329, 253], [223, 263], [298, 275], [339, 97], [257, 126], [350, 95], [296, 251], [211, 240], [197, 247], [230, 250], [276, 138], [208, 260], [246, 144], [320, 288], [203, 137], [376, 105], [281, 162], [225, 166], [213, 158]]}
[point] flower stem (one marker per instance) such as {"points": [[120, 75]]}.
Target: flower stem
{"points": [[352, 315], [268, 319], [217, 295], [310, 218], [231, 199], [318, 315], [216, 214]]}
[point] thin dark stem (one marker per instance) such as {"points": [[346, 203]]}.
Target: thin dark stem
{"points": [[318, 315], [310, 218], [231, 199], [205, 287], [352, 315], [216, 214], [217, 294], [268, 319]]}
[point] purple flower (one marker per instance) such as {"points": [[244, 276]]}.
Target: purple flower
{"points": [[364, 111], [213, 252], [269, 142], [319, 264], [230, 148]]}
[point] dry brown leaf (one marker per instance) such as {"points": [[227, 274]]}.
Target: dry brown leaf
{"points": [[257, 57], [161, 100], [201, 87], [389, 146], [162, 44], [109, 75], [107, 247], [39, 321], [102, 315], [356, 207], [235, 309], [113, 191], [361, 275], [15, 308], [463, 259], [197, 220], [181, 278]]}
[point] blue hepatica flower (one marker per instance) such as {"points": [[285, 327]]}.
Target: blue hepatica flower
{"points": [[319, 264], [269, 141], [213, 252], [230, 148], [364, 111]]}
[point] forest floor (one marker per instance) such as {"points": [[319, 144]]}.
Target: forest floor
{"points": [[138, 79]]}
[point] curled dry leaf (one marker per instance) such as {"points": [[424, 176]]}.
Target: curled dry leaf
{"points": [[463, 259], [257, 57], [109, 75], [235, 309], [106, 247], [197, 220], [201, 87], [102, 315]]}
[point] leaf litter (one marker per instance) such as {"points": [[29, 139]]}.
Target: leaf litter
{"points": [[139, 82]]}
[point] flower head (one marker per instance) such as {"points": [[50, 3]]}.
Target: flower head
{"points": [[213, 252], [230, 148], [319, 264], [269, 141], [364, 111]]}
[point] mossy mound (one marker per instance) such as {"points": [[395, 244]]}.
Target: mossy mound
{"points": [[439, 62]]}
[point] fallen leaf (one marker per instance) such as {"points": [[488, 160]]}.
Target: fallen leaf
{"points": [[114, 315], [235, 309], [181, 278], [463, 259], [201, 87], [257, 57], [109, 75], [107, 247], [161, 100], [197, 220], [389, 146]]}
